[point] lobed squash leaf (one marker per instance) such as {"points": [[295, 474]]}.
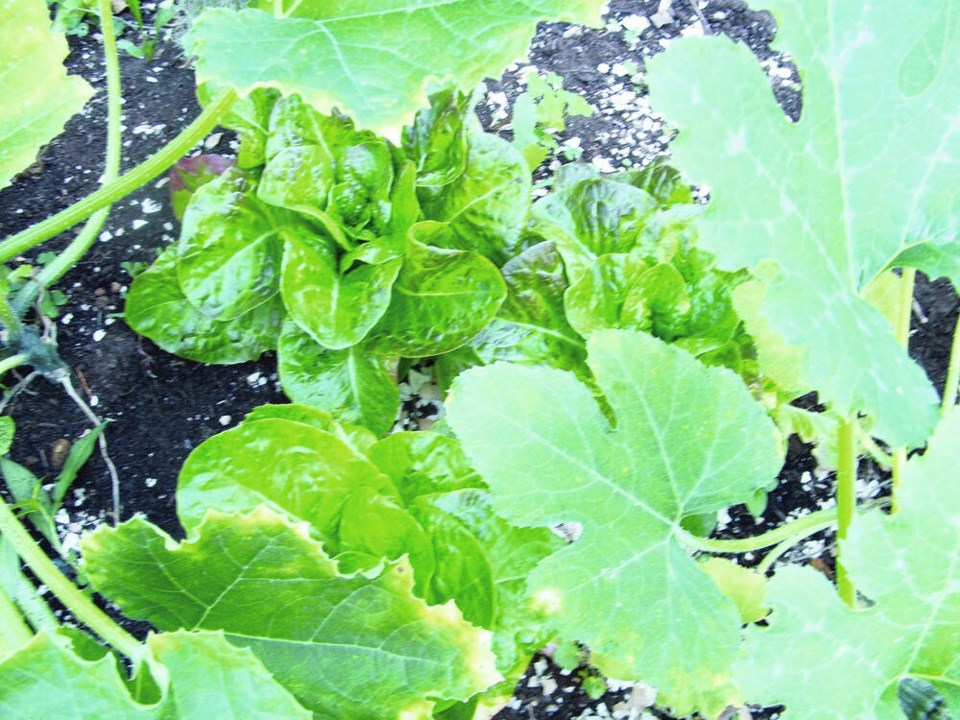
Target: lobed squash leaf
{"points": [[868, 178], [39, 96], [688, 440], [371, 58]]}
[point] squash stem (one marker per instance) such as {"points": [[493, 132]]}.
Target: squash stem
{"points": [[846, 503], [908, 280], [14, 632], [82, 607], [81, 244], [123, 185], [795, 530]]}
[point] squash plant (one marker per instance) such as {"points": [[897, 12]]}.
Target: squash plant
{"points": [[405, 576]]}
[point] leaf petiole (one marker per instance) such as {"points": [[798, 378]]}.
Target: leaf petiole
{"points": [[66, 592], [14, 632], [81, 244], [122, 186], [846, 502], [794, 530]]}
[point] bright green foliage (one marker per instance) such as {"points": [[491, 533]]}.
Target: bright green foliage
{"points": [[907, 566], [157, 308], [199, 673], [359, 646], [302, 455], [230, 248], [410, 494], [442, 299], [631, 261], [355, 384], [39, 97], [345, 54], [870, 172], [486, 206], [688, 440], [364, 252]]}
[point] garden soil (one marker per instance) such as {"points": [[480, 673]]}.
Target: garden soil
{"points": [[160, 407]]}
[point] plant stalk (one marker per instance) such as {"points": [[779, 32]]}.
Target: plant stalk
{"points": [[14, 361], [111, 171], [952, 384], [799, 528], [908, 280], [14, 632], [846, 503], [771, 557], [82, 607], [123, 185]]}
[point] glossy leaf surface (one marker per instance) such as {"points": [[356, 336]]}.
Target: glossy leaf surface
{"points": [[157, 308], [441, 300], [337, 310], [354, 385], [486, 206], [312, 474], [230, 248]]}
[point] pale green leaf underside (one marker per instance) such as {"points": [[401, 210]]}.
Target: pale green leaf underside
{"points": [[689, 439], [38, 96], [909, 565], [345, 646], [872, 168], [371, 58]]}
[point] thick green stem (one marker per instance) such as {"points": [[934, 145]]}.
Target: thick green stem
{"points": [[122, 186], [846, 502], [952, 384], [801, 527], [14, 633], [14, 361], [772, 556], [66, 592], [908, 280], [111, 171]]}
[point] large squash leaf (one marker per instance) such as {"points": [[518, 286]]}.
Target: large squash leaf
{"points": [[371, 58], [38, 96], [908, 566], [871, 170], [688, 440], [357, 646]]}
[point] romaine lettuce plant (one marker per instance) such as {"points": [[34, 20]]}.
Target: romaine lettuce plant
{"points": [[405, 576]]}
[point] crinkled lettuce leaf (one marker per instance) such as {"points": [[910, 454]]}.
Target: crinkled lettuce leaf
{"points": [[360, 645]]}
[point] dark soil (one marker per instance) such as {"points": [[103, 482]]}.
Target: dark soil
{"points": [[160, 407]]}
